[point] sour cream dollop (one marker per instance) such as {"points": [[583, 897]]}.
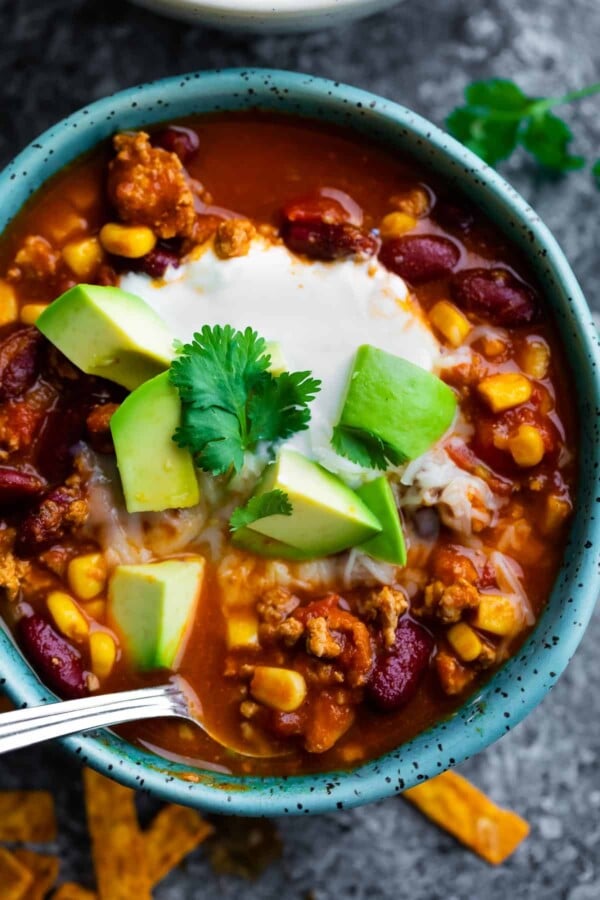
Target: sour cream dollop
{"points": [[319, 313]]}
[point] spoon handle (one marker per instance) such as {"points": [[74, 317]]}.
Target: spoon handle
{"points": [[31, 725]]}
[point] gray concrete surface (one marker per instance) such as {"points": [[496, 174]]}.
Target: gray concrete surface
{"points": [[59, 54]]}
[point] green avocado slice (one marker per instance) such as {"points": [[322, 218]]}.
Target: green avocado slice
{"points": [[389, 545], [152, 608], [108, 332], [401, 405], [327, 516], [155, 473]]}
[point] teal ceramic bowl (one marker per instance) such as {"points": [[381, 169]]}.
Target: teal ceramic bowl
{"points": [[523, 682]]}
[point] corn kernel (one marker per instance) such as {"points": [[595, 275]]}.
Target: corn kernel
{"points": [[464, 641], [67, 616], [450, 322], [282, 689], [96, 609], [414, 202], [8, 303], [535, 357], [395, 224], [242, 630], [527, 446], [31, 312], [491, 347], [83, 257], [557, 510], [103, 653], [131, 241], [505, 390], [87, 575], [496, 614]]}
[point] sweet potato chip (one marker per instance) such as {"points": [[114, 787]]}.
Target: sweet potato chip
{"points": [[15, 879], [72, 891], [453, 803], [174, 833], [27, 816], [117, 843], [44, 869]]}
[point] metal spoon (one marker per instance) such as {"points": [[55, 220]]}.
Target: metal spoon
{"points": [[25, 727]]}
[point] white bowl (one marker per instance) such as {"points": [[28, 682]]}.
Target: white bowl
{"points": [[267, 15]]}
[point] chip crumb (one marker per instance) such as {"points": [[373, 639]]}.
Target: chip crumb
{"points": [[44, 869], [465, 812], [27, 816], [15, 878]]}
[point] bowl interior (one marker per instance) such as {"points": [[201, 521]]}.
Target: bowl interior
{"points": [[525, 679]]}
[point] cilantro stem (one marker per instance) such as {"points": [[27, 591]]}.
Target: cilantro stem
{"points": [[538, 106], [575, 95]]}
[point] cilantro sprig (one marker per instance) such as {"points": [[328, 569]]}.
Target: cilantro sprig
{"points": [[364, 448], [272, 503], [498, 117], [231, 402]]}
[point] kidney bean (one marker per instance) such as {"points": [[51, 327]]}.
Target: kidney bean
{"points": [[420, 257], [396, 675], [16, 484], [61, 508], [182, 141], [156, 263], [324, 205], [19, 362], [58, 663], [496, 295], [322, 240]]}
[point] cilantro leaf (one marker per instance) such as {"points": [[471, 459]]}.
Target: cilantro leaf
{"points": [[547, 138], [491, 140], [596, 172], [273, 503], [498, 117], [364, 448], [230, 400], [279, 408], [497, 93]]}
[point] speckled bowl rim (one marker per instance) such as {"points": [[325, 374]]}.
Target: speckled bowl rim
{"points": [[523, 682]]}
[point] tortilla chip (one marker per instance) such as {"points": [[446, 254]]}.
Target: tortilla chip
{"points": [[44, 869], [15, 879], [174, 833], [453, 803], [72, 891], [117, 843], [27, 816]]}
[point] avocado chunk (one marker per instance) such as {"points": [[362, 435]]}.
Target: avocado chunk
{"points": [[400, 404], [107, 332], [152, 608], [327, 516], [247, 539], [155, 473], [389, 544]]}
